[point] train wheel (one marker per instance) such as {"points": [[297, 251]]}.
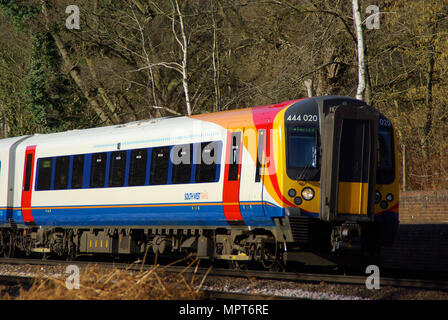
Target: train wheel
{"points": [[269, 257], [9, 246], [277, 266], [233, 264]]}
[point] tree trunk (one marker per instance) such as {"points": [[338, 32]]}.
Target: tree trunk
{"points": [[184, 46], [363, 90], [112, 108], [428, 102], [74, 73], [309, 87]]}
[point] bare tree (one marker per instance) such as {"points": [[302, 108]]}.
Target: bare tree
{"points": [[215, 64], [178, 17], [309, 87], [363, 91], [179, 33]]}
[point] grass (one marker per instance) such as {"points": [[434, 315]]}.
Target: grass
{"points": [[100, 283]]}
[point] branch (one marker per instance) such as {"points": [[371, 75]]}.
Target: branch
{"points": [[333, 13], [318, 68], [167, 109], [168, 65]]}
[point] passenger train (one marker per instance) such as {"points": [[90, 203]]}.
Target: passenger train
{"points": [[271, 184]]}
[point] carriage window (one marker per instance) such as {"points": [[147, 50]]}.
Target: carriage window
{"points": [[261, 135], [29, 163], [354, 146], [206, 170], [234, 157], [61, 172], [44, 173], [117, 169], [98, 170], [386, 165], [137, 168], [182, 158], [159, 165], [77, 171]]}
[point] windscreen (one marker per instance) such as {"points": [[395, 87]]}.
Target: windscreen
{"points": [[302, 153]]}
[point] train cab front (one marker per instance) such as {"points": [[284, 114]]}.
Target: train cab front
{"points": [[340, 175]]}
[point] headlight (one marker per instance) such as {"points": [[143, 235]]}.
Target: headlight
{"points": [[390, 197], [307, 194], [377, 197]]}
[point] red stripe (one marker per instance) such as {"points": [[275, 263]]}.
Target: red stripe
{"points": [[27, 213], [272, 172], [391, 209], [262, 118], [231, 189]]}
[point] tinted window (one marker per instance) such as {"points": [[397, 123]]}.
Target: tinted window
{"points": [[29, 163], [137, 167], [182, 158], [98, 170], [44, 174], [260, 150], [61, 172], [77, 171], [302, 153], [206, 170], [234, 156], [159, 165], [354, 151], [302, 147], [117, 169], [386, 164]]}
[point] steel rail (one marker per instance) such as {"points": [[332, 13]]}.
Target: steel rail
{"points": [[257, 274]]}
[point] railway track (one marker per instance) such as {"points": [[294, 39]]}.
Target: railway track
{"points": [[254, 274]]}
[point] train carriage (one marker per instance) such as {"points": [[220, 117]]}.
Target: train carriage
{"points": [[268, 184]]}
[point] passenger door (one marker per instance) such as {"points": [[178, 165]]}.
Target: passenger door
{"points": [[232, 177], [354, 163], [251, 189], [27, 188], [348, 163]]}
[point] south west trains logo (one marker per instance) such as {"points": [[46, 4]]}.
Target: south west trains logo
{"points": [[195, 195]]}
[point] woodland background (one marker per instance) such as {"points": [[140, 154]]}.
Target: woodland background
{"points": [[136, 59]]}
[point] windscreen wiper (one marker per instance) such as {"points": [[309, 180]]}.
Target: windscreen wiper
{"points": [[305, 169]]}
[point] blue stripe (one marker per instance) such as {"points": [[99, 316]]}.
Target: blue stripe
{"points": [[179, 214], [53, 171]]}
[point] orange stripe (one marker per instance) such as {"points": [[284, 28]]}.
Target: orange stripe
{"points": [[151, 205]]}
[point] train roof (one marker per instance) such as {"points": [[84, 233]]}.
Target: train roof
{"points": [[208, 126], [139, 132], [163, 131]]}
